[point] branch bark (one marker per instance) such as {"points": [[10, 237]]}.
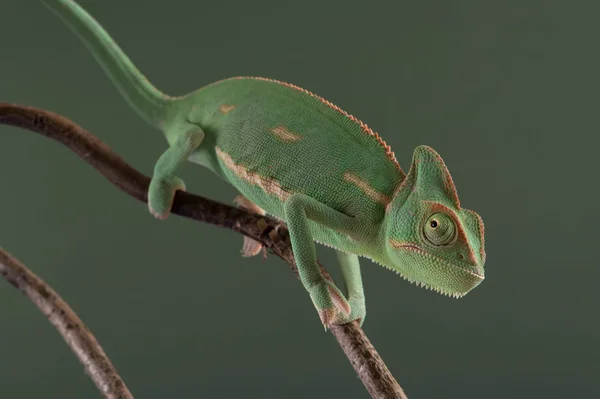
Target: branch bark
{"points": [[270, 232]]}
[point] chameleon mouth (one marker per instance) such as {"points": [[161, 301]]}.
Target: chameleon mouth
{"points": [[476, 277], [415, 248]]}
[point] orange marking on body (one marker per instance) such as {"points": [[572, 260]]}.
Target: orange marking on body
{"points": [[283, 133], [267, 185], [225, 109], [366, 188], [366, 129]]}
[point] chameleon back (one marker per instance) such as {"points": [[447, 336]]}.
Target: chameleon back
{"points": [[273, 139]]}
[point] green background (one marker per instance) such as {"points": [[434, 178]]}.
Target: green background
{"points": [[507, 92]]}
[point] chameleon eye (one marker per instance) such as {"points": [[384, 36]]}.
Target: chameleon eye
{"points": [[439, 230]]}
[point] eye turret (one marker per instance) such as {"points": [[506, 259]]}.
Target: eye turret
{"points": [[440, 230]]}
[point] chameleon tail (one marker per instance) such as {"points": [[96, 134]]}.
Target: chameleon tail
{"points": [[142, 96]]}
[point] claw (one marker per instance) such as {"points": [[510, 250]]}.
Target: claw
{"points": [[326, 316]]}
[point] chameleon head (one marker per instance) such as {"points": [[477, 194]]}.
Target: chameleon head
{"points": [[430, 239]]}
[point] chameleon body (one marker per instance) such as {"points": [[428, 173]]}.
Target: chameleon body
{"points": [[298, 157]]}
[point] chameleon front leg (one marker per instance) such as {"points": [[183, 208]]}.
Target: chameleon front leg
{"points": [[164, 181], [350, 267], [329, 301]]}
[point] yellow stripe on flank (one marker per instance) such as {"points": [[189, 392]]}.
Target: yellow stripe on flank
{"points": [[366, 188], [267, 185], [283, 133]]}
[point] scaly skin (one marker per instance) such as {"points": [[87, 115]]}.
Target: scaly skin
{"points": [[299, 158]]}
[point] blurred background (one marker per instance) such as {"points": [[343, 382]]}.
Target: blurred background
{"points": [[506, 92]]}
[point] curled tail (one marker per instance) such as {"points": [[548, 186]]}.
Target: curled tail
{"points": [[147, 100]]}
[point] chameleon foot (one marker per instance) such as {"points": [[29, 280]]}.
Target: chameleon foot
{"points": [[330, 303], [250, 247], [161, 193], [357, 312]]}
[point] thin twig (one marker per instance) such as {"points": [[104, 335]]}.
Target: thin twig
{"points": [[97, 365], [270, 232]]}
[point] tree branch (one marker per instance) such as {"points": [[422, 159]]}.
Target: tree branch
{"points": [[271, 233]]}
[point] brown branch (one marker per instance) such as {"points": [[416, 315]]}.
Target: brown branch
{"points": [[97, 365], [271, 233]]}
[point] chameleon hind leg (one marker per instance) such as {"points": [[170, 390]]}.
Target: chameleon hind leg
{"points": [[332, 306], [250, 247], [164, 180]]}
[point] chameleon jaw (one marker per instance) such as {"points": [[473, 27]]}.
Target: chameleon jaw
{"points": [[476, 277], [415, 248]]}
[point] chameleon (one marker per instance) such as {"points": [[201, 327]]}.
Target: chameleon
{"points": [[299, 158]]}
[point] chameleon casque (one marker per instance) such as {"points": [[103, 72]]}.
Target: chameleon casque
{"points": [[299, 158]]}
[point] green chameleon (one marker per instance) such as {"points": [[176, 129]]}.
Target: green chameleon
{"points": [[301, 159]]}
